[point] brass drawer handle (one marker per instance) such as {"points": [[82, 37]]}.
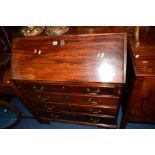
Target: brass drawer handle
{"points": [[66, 97], [38, 89], [94, 120], [119, 92], [63, 87], [94, 92], [92, 102], [50, 107], [95, 112], [43, 98], [54, 115]]}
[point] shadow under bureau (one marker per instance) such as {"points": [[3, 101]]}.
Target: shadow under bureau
{"points": [[71, 78]]}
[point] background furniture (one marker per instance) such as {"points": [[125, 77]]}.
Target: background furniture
{"points": [[10, 116], [140, 87]]}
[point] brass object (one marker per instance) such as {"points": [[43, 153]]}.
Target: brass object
{"points": [[136, 34], [95, 92], [56, 30], [38, 89], [119, 92], [94, 120], [63, 87], [95, 112], [67, 97], [54, 115], [8, 82], [43, 98], [92, 102], [49, 108], [31, 30]]}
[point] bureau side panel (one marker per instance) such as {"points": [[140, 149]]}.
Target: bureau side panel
{"points": [[144, 108]]}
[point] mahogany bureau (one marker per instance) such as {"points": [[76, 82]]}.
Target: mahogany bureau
{"points": [[72, 78]]}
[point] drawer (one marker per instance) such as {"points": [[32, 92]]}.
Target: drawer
{"points": [[48, 88], [103, 110], [76, 99], [111, 120]]}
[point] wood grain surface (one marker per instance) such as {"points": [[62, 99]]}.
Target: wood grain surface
{"points": [[144, 55], [140, 103], [84, 58]]}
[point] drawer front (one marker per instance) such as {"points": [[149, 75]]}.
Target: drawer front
{"points": [[103, 110], [48, 88], [76, 99], [81, 118]]}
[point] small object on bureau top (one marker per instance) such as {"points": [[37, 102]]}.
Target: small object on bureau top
{"points": [[56, 30]]}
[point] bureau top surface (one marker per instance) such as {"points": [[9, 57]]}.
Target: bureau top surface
{"points": [[95, 58]]}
